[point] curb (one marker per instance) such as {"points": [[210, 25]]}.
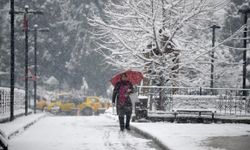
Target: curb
{"points": [[22, 129], [4, 138], [149, 136]]}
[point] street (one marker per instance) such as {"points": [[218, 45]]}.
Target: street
{"points": [[78, 133]]}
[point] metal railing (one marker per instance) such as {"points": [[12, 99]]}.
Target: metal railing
{"points": [[5, 100], [224, 101]]}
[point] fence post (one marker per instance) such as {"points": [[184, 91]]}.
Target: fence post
{"points": [[175, 116], [4, 102], [213, 117]]}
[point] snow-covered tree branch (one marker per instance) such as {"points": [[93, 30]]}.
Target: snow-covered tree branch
{"points": [[159, 37]]}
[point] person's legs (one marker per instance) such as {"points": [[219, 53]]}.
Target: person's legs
{"points": [[121, 122], [128, 116]]}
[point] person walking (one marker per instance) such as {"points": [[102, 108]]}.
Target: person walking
{"points": [[121, 93]]}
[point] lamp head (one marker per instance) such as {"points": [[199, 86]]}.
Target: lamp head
{"points": [[26, 7]]}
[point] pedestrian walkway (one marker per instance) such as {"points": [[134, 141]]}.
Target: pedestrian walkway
{"points": [[78, 132], [195, 136], [174, 136]]}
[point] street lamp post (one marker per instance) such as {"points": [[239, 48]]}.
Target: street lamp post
{"points": [[26, 26], [212, 56], [12, 59], [35, 62], [35, 59], [26, 29], [245, 11], [12, 55]]}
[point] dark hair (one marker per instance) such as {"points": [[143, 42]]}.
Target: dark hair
{"points": [[123, 74]]}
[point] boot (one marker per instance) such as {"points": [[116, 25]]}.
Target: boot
{"points": [[121, 122], [128, 122]]}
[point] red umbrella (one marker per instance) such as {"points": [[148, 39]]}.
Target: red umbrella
{"points": [[134, 77]]}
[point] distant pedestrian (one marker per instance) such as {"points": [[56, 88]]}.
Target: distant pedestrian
{"points": [[121, 93]]}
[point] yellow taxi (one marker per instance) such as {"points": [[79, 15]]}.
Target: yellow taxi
{"points": [[53, 106], [90, 105]]}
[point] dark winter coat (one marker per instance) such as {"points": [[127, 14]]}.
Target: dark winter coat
{"points": [[123, 101]]}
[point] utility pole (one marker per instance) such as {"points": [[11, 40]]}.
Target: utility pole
{"points": [[12, 60], [245, 11], [212, 56], [35, 59]]}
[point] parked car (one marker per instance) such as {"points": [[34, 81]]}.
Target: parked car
{"points": [[67, 106], [91, 105], [53, 106]]}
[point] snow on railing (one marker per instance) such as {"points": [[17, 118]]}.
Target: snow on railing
{"points": [[5, 100], [194, 90], [225, 101]]}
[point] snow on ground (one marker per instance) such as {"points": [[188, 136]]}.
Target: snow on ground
{"points": [[191, 136], [18, 124], [177, 136], [102, 132], [77, 133]]}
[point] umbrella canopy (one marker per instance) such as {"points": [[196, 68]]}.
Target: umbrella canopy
{"points": [[134, 77]]}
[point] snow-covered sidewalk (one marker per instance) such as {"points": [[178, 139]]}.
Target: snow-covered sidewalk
{"points": [[78, 133], [197, 136], [188, 136], [9, 129], [174, 136]]}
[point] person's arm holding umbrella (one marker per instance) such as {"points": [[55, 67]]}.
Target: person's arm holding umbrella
{"points": [[131, 88]]}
